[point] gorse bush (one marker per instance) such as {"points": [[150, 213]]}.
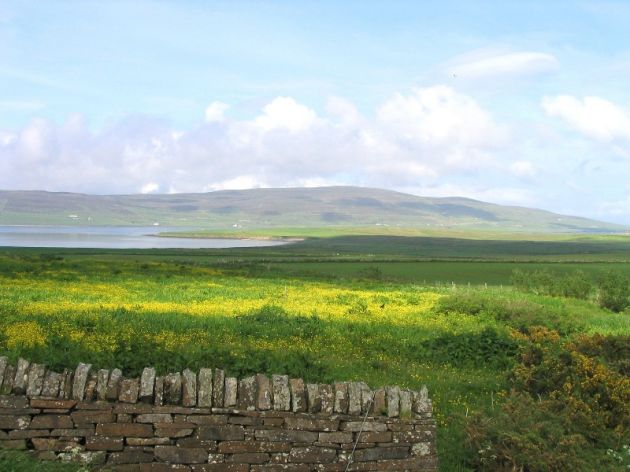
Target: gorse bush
{"points": [[566, 411]]}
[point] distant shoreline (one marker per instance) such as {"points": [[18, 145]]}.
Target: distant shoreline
{"points": [[223, 236]]}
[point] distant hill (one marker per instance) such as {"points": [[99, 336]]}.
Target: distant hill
{"points": [[284, 207]]}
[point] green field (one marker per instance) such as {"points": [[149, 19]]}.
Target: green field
{"points": [[432, 311]]}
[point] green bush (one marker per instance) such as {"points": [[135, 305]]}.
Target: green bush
{"points": [[542, 282], [614, 291]]}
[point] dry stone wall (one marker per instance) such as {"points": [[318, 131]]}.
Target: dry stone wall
{"points": [[206, 421]]}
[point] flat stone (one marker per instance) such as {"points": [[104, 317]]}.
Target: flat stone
{"points": [[218, 388], [3, 365], [103, 443], [147, 385], [7, 383], [13, 402], [92, 417], [248, 458], [134, 430], [221, 433], [174, 430], [173, 388], [154, 418], [393, 401], [299, 401], [28, 433], [189, 388], [281, 392], [265, 392], [354, 399], [379, 407], [312, 454], [204, 393], [236, 447], [80, 379], [335, 437], [148, 441], [21, 377], [52, 383], [14, 422], [247, 394], [230, 394], [381, 453], [341, 397], [327, 398], [51, 422], [129, 389], [158, 399], [286, 436], [129, 457], [314, 398], [311, 424], [13, 444], [180, 455], [53, 444], [102, 377], [113, 385], [356, 426]]}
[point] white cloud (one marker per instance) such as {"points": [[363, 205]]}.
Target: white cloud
{"points": [[525, 169], [215, 111], [150, 187], [594, 117], [285, 112], [484, 64]]}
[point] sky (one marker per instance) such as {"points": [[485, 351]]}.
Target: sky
{"points": [[511, 102]]}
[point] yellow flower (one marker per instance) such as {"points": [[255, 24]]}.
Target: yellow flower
{"points": [[25, 334]]}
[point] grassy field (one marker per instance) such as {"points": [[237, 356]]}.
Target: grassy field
{"points": [[304, 311]]}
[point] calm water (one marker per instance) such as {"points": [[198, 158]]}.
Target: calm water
{"points": [[112, 237]]}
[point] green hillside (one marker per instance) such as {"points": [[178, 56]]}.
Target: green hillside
{"points": [[286, 207]]}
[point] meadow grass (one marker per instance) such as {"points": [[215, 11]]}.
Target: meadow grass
{"points": [[323, 321]]}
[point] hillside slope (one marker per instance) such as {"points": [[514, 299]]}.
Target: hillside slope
{"points": [[285, 207]]}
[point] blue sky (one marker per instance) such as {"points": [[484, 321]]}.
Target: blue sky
{"points": [[512, 102]]}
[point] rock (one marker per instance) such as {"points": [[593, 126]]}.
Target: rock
{"points": [[102, 377], [129, 389], [247, 394], [52, 383], [312, 455], [421, 402], [281, 392], [113, 385], [299, 401], [3, 365], [204, 393], [80, 379], [406, 401], [7, 383], [218, 388], [379, 406], [231, 392], [367, 397], [65, 386], [173, 388], [264, 397], [147, 385], [327, 397], [354, 399], [341, 397], [314, 398], [393, 401], [159, 391], [189, 388], [21, 377], [35, 381], [181, 455], [90, 388]]}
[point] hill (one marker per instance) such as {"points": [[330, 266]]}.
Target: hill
{"points": [[285, 207]]}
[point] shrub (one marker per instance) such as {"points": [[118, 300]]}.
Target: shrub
{"points": [[614, 291]]}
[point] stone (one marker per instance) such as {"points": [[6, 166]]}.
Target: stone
{"points": [[354, 399], [154, 418], [393, 401], [90, 388], [129, 389], [173, 430], [341, 397], [236, 447], [3, 365], [85, 417], [221, 433], [204, 392], [129, 457], [12, 402], [148, 441], [381, 453], [314, 398], [421, 402], [7, 383], [53, 403], [312, 454], [80, 379], [327, 396], [248, 458], [336, 437], [52, 383], [180, 455], [281, 392], [52, 444], [231, 392], [103, 443], [189, 388], [367, 397], [247, 394], [51, 422], [265, 392], [218, 388], [14, 422], [102, 377], [113, 385], [147, 385], [172, 388], [65, 386], [299, 401], [158, 394], [21, 377], [311, 424], [286, 436], [406, 402], [134, 430], [379, 407], [13, 444], [356, 426]]}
